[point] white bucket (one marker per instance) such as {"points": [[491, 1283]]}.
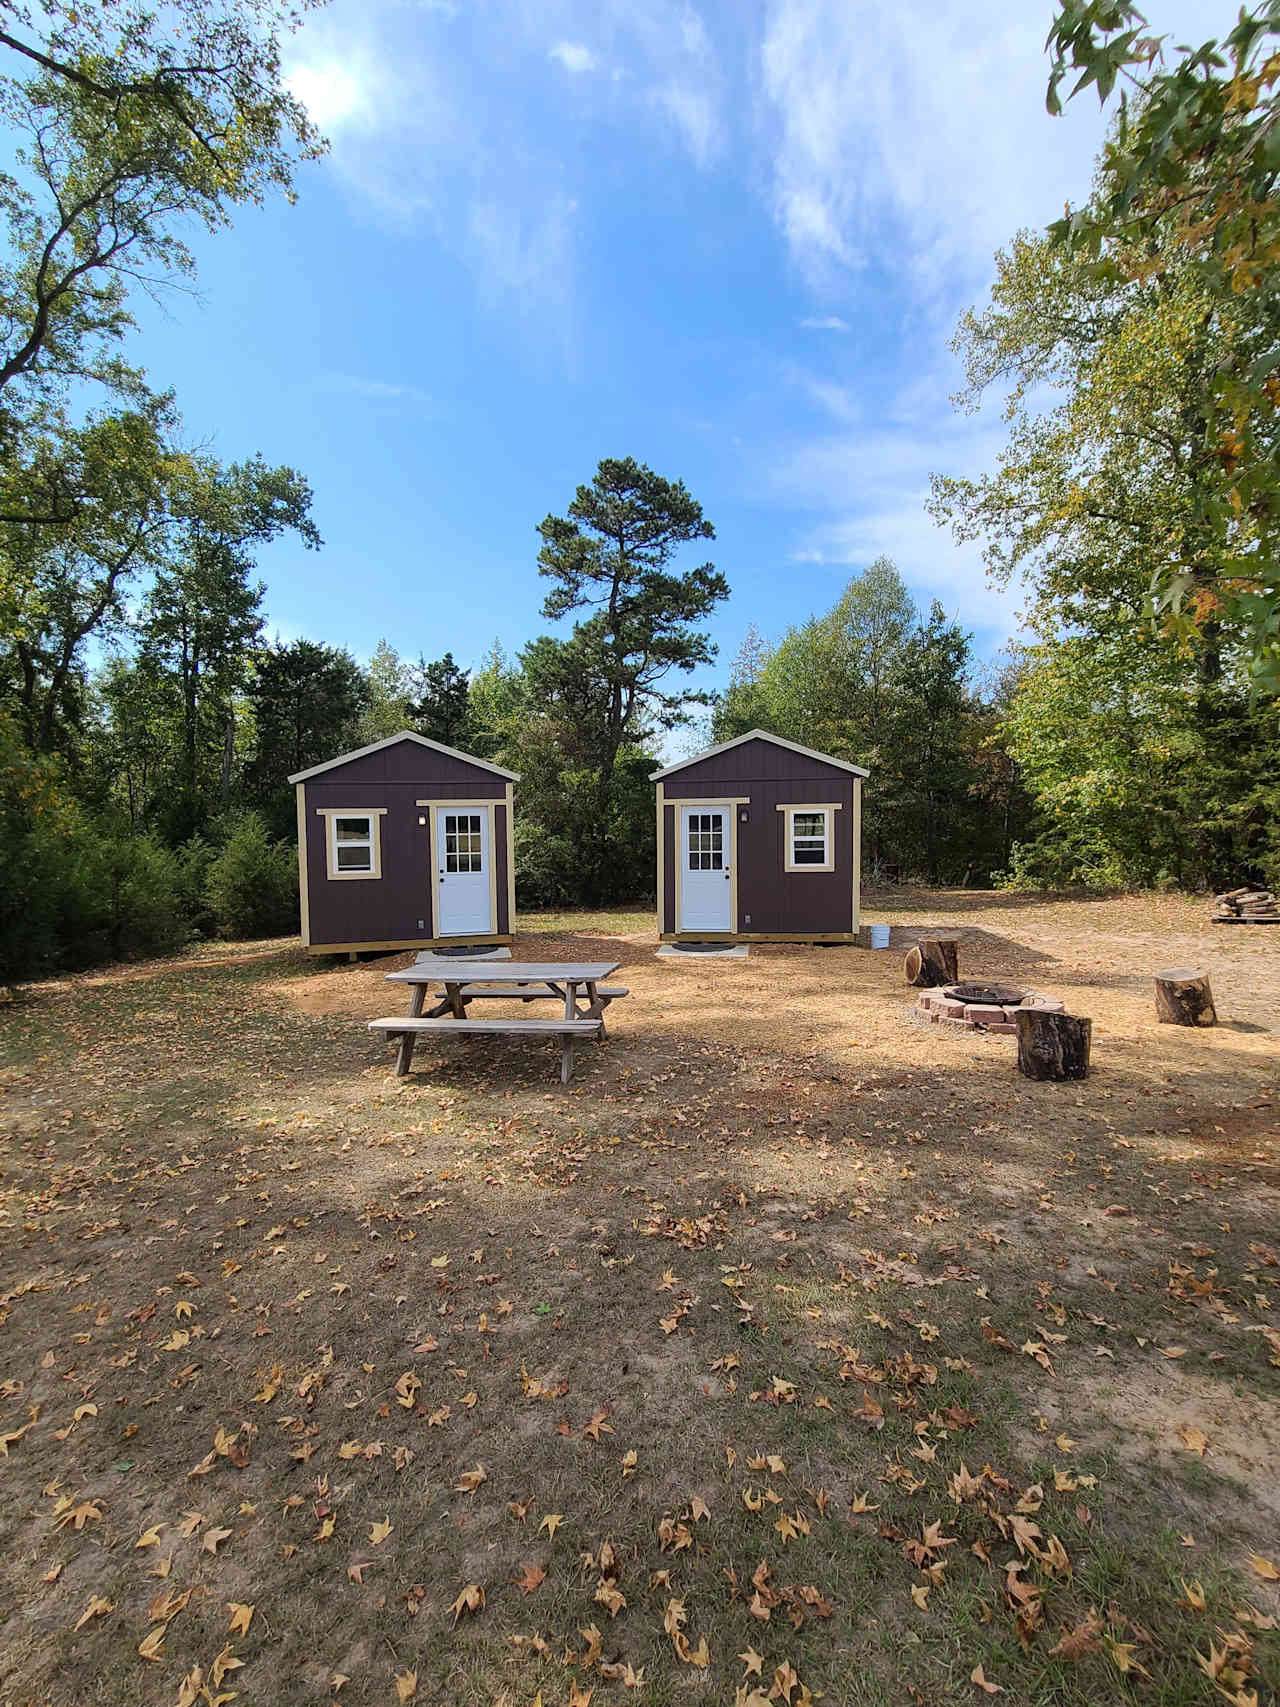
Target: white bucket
{"points": [[879, 936]]}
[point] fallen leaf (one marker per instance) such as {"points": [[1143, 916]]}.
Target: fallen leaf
{"points": [[151, 1647], [551, 1523], [1192, 1439], [470, 1600], [470, 1480], [1264, 1568], [406, 1685], [530, 1578], [213, 1539], [976, 1676], [241, 1618], [379, 1531], [98, 1607]]}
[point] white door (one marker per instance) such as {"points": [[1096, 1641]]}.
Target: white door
{"points": [[706, 889], [462, 853]]}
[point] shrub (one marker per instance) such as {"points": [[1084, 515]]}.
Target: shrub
{"points": [[134, 896], [195, 858], [252, 883]]}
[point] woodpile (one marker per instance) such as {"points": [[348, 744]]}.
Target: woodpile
{"points": [[1247, 907]]}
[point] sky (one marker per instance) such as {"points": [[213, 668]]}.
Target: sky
{"points": [[730, 239]]}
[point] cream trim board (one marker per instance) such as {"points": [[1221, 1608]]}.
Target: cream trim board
{"points": [[391, 741], [759, 735], [511, 858], [434, 855], [662, 862], [707, 800], [857, 850], [304, 910], [789, 862], [733, 862], [331, 814]]}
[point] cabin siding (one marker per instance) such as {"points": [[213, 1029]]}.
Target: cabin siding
{"points": [[387, 909], [771, 900]]}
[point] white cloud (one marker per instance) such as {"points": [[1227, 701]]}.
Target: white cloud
{"points": [[574, 56], [917, 132], [693, 113], [824, 323], [862, 489]]}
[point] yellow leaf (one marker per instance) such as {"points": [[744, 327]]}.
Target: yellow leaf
{"points": [[378, 1532], [1264, 1568], [551, 1523], [470, 1480], [152, 1645], [406, 1685], [629, 1462], [150, 1537], [1192, 1439], [224, 1662], [97, 1608], [470, 1600], [213, 1538], [241, 1618], [698, 1507], [753, 1662]]}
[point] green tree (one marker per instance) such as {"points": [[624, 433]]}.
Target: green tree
{"points": [[131, 122], [438, 700], [612, 556], [201, 617], [1189, 187], [306, 700], [386, 710], [109, 483], [924, 788], [1095, 493]]}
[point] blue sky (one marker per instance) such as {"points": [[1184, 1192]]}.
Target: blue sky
{"points": [[731, 240]]}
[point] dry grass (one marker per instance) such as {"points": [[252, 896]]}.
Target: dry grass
{"points": [[799, 1255]]}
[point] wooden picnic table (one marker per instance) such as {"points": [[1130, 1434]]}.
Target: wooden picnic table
{"points": [[466, 981]]}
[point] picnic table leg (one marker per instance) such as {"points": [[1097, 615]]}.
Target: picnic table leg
{"points": [[567, 1041], [570, 1000], [456, 1000], [404, 1055], [595, 1006]]}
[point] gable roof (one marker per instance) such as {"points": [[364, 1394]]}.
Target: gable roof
{"points": [[391, 741], [759, 735]]}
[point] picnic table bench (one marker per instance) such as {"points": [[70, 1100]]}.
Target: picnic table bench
{"points": [[465, 981]]}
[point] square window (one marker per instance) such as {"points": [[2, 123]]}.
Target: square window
{"points": [[808, 844], [352, 844]]}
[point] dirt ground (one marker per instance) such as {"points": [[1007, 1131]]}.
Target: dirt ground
{"points": [[795, 1348]]}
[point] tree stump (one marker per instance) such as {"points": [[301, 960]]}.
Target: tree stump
{"points": [[931, 962], [1052, 1045], [1183, 997]]}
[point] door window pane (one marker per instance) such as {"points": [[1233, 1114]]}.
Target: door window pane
{"points": [[463, 848], [706, 841]]}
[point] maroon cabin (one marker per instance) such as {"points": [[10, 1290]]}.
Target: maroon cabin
{"points": [[405, 844], [759, 840]]}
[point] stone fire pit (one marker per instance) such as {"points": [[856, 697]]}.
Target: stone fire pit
{"points": [[987, 1007]]}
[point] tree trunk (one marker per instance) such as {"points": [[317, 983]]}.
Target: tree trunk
{"points": [[1051, 1045], [1183, 997], [931, 962]]}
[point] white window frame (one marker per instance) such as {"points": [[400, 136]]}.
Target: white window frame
{"points": [[374, 815], [828, 809]]}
